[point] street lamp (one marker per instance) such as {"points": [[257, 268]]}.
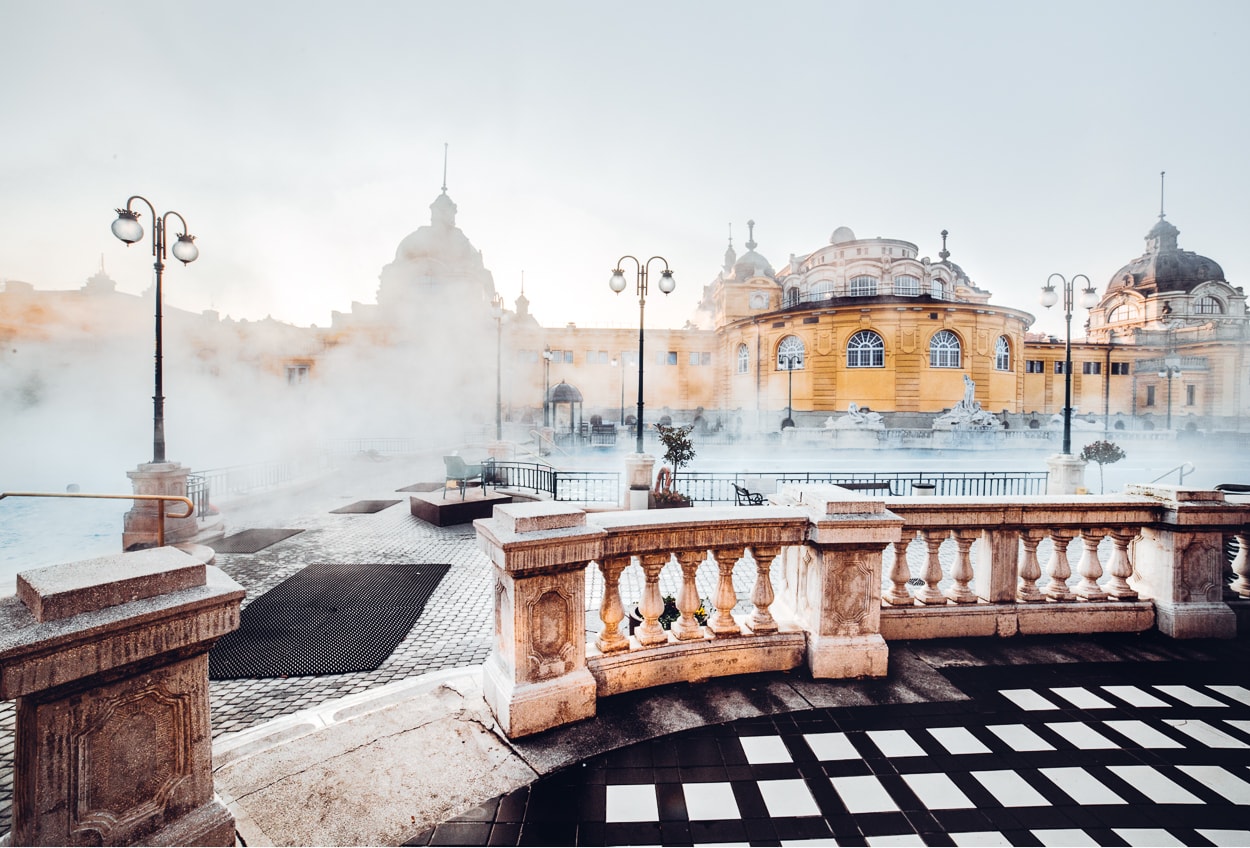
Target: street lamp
{"points": [[546, 385], [128, 229], [1171, 368], [617, 283], [621, 363], [496, 311], [1089, 299], [789, 359]]}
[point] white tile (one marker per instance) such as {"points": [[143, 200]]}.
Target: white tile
{"points": [[709, 801], [831, 746], [1081, 698], [1191, 696], [1143, 734], [822, 842], [788, 798], [1232, 838], [1020, 738], [899, 839], [1081, 786], [937, 791], [958, 740], [632, 803], [978, 838], [1135, 696], [1210, 736], [1154, 785], [765, 749], [863, 794], [1240, 724], [1010, 789], [1235, 693], [1148, 837], [1065, 837], [1221, 780], [1027, 699], [895, 743], [1082, 735]]}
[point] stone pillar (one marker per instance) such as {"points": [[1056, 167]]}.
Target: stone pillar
{"points": [[1181, 561], [536, 677], [140, 527], [638, 469], [998, 556], [835, 587], [108, 661], [1067, 474]]}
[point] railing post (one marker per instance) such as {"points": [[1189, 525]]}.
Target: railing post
{"points": [[108, 661], [836, 580], [536, 676], [1181, 560]]}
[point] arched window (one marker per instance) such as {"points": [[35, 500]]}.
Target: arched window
{"points": [[1002, 354], [744, 359], [937, 288], [1208, 305], [1123, 312], [790, 354], [792, 296], [906, 285], [944, 351], [863, 286], [865, 349], [822, 291]]}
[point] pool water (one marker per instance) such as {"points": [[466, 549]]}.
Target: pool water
{"points": [[36, 532]]}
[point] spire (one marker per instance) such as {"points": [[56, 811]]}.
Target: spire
{"points": [[944, 254], [1161, 173], [730, 256], [751, 235], [444, 167]]}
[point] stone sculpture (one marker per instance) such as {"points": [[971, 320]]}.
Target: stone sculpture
{"points": [[855, 419], [967, 414]]}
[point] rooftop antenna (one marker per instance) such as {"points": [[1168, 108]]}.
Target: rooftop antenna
{"points": [[1161, 173], [444, 167]]}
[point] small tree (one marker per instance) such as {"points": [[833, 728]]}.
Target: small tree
{"points": [[1103, 453], [678, 448]]}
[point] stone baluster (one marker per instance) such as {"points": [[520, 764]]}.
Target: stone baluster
{"points": [[1030, 569], [1121, 568], [762, 620], [1058, 567], [652, 607], [1090, 568], [687, 626], [932, 573], [611, 610], [961, 573], [898, 594], [722, 622], [1241, 566]]}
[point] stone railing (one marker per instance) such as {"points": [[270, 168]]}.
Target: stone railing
{"points": [[817, 597]]}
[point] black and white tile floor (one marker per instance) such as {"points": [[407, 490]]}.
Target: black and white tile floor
{"points": [[1067, 754]]}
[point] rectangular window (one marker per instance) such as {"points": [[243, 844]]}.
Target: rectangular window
{"points": [[630, 357], [705, 359], [1190, 394], [298, 374], [1034, 366], [1059, 367], [1091, 367], [604, 359], [694, 357], [1150, 396], [672, 357], [1119, 368], [557, 356], [568, 357], [591, 357]]}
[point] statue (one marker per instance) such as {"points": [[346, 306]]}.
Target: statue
{"points": [[856, 419], [967, 414]]}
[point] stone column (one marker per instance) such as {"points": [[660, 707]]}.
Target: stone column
{"points": [[638, 469], [1181, 561], [536, 677], [141, 522], [1067, 474], [837, 581], [108, 661]]}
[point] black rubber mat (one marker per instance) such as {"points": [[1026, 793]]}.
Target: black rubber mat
{"points": [[421, 487], [360, 507], [326, 619], [251, 541]]}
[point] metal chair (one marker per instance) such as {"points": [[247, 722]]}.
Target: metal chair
{"points": [[745, 497], [461, 474]]}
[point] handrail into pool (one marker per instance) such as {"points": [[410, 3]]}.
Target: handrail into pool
{"points": [[160, 525]]}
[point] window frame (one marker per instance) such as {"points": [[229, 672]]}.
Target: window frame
{"points": [[874, 353], [939, 357]]}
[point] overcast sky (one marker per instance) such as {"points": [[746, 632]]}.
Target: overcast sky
{"points": [[303, 140]]}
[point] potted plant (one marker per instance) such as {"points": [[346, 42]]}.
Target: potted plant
{"points": [[1103, 453], [678, 451], [670, 614]]}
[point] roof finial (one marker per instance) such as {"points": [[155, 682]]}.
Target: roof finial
{"points": [[1161, 173], [751, 244], [731, 236], [522, 282], [101, 263], [444, 167], [944, 254]]}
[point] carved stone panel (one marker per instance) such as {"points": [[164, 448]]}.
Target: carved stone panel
{"points": [[550, 625]]}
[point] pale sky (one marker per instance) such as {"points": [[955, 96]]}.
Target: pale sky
{"points": [[303, 140]]}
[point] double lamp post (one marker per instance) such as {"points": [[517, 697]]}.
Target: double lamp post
{"points": [[617, 284], [1089, 299]]}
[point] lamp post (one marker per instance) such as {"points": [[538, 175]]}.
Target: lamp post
{"points": [[496, 309], [1089, 299], [790, 359], [128, 229], [1171, 368], [621, 364], [546, 385], [617, 284]]}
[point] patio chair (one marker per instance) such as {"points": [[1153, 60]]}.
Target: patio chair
{"points": [[745, 497], [461, 474]]}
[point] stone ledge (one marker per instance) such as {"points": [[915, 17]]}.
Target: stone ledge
{"points": [[982, 619]]}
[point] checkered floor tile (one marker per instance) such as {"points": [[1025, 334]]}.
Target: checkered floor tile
{"points": [[1059, 755]]}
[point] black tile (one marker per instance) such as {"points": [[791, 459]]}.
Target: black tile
{"points": [[632, 833], [548, 833], [883, 824], [805, 827], [1000, 819], [422, 838], [549, 803], [922, 821], [635, 756], [592, 833], [505, 834], [1021, 838], [750, 801], [718, 831], [675, 833], [633, 776], [703, 774], [671, 802], [845, 768], [959, 821], [761, 831], [592, 802], [512, 806], [482, 812], [1105, 836], [699, 751], [1047, 818], [461, 833]]}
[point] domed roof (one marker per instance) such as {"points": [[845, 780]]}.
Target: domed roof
{"points": [[751, 264], [1164, 267], [562, 392], [842, 235]]}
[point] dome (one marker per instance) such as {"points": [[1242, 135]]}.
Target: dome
{"points": [[562, 392], [1164, 267], [751, 264], [842, 235]]}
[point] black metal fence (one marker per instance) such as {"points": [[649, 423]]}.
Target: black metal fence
{"points": [[576, 486], [222, 484], [719, 487]]}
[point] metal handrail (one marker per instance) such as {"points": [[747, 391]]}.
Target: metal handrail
{"points": [[1183, 469], [160, 526]]}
